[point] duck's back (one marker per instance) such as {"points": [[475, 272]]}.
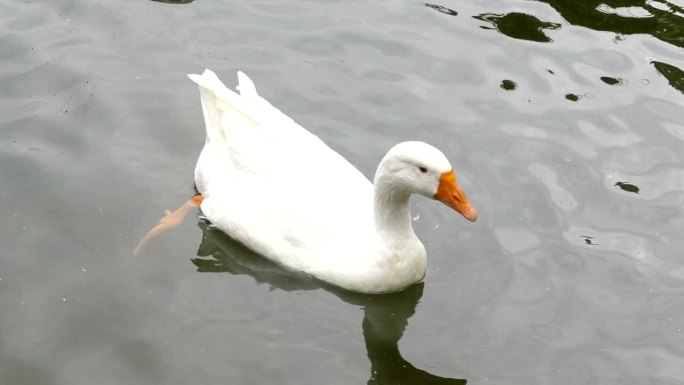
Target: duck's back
{"points": [[273, 185]]}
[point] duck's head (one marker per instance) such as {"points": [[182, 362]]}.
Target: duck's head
{"points": [[418, 167]]}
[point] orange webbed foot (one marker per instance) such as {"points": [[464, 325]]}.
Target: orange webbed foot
{"points": [[169, 221]]}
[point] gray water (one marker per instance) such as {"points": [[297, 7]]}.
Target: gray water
{"points": [[573, 275]]}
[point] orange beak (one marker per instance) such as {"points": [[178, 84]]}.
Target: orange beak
{"points": [[450, 193]]}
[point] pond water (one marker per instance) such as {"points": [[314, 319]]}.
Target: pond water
{"points": [[564, 121]]}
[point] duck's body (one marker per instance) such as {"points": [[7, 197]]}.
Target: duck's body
{"points": [[280, 190]]}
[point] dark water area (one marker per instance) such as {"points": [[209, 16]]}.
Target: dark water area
{"points": [[564, 121]]}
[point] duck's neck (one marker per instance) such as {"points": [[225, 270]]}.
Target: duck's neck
{"points": [[391, 206]]}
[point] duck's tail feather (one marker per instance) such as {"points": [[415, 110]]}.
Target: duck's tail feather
{"points": [[221, 106], [225, 110], [211, 89], [246, 86], [209, 80]]}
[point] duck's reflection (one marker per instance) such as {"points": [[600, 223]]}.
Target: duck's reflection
{"points": [[385, 315]]}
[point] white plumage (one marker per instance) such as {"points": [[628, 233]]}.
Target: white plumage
{"points": [[274, 186]]}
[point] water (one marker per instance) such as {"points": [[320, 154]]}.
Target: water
{"points": [[563, 120]]}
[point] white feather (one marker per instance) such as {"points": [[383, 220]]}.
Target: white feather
{"points": [[281, 191]]}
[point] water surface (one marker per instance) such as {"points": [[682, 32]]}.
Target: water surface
{"points": [[573, 274]]}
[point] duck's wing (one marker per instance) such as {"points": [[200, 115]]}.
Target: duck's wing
{"points": [[256, 137], [268, 181]]}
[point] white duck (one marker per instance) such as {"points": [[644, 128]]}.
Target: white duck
{"points": [[274, 186]]}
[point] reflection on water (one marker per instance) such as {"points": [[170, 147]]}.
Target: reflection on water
{"points": [[519, 26], [174, 1], [631, 245], [589, 240], [442, 9], [660, 19], [628, 187], [674, 75], [664, 21], [572, 97], [508, 85], [611, 81], [385, 315]]}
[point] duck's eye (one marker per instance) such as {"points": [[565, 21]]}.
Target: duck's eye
{"points": [[422, 169]]}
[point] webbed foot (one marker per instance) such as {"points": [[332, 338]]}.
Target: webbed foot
{"points": [[169, 221]]}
